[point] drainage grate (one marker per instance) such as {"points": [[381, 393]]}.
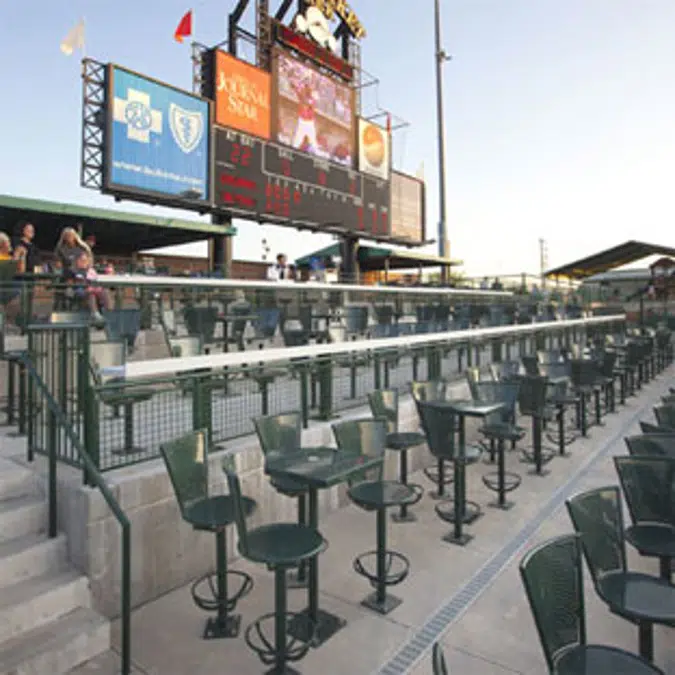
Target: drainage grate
{"points": [[423, 638]]}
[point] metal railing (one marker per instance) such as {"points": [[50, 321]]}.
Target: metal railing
{"points": [[58, 423]]}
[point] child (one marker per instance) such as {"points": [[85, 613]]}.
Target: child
{"points": [[95, 296]]}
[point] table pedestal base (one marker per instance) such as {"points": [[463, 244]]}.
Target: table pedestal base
{"points": [[217, 630], [505, 506], [300, 627], [462, 540], [407, 518], [286, 671], [389, 603]]}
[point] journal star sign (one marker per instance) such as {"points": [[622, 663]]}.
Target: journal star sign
{"points": [[135, 111]]}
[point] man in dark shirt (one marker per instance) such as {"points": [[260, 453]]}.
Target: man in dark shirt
{"points": [[25, 251]]}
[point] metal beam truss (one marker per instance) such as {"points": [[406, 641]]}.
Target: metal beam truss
{"points": [[93, 124]]}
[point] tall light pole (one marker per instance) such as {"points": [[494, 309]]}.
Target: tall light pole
{"points": [[441, 58]]}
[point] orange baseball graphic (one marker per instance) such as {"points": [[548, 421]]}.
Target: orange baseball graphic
{"points": [[373, 145]]}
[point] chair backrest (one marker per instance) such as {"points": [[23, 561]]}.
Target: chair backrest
{"points": [[652, 445], [596, 516], [187, 461], [384, 406], [665, 416], [431, 390], [366, 437], [439, 428], [649, 487], [531, 365], [532, 394], [122, 324], [106, 355], [167, 319], [549, 356], [499, 392], [582, 372], [668, 400], [279, 433], [201, 322], [649, 428], [438, 660], [608, 363], [267, 322], [473, 376], [553, 580], [234, 487]]}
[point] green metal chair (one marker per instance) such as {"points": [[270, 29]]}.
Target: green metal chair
{"points": [[554, 584], [187, 462], [665, 416], [649, 487], [279, 546], [651, 444], [370, 492], [438, 660], [440, 427], [498, 429], [432, 390], [283, 434], [648, 428], [560, 397], [640, 598], [532, 402], [384, 405]]}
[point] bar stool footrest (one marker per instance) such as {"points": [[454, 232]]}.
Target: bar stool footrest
{"points": [[511, 481], [397, 567], [205, 590], [546, 455], [431, 472], [255, 638], [419, 493], [446, 511]]}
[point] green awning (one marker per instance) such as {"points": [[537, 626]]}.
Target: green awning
{"points": [[116, 232]]}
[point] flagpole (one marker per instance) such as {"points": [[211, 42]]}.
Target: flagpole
{"points": [[441, 57]]}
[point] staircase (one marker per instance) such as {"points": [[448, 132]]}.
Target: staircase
{"points": [[47, 625]]}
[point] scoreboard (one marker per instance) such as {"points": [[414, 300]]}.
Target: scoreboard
{"points": [[274, 183]]}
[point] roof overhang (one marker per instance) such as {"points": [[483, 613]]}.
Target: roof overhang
{"points": [[116, 232], [623, 254]]}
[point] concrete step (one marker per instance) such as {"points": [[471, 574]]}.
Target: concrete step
{"points": [[58, 646], [107, 663], [20, 516], [30, 556], [15, 480], [34, 602]]}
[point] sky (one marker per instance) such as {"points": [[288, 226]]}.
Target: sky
{"points": [[559, 115]]}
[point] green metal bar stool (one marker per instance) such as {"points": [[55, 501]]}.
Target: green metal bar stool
{"points": [[532, 402], [369, 492], [647, 484], [497, 429], [433, 390], [279, 434], [187, 462], [560, 616], [384, 405], [280, 546]]}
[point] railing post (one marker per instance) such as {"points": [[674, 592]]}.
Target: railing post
{"points": [[51, 477], [31, 403], [126, 600]]}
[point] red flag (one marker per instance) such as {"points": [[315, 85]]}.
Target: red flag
{"points": [[184, 27]]}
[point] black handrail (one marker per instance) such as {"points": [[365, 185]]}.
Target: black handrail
{"points": [[94, 477]]}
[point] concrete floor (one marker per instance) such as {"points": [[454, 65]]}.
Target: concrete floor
{"points": [[491, 631]]}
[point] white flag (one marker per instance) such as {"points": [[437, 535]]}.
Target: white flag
{"points": [[74, 40], [420, 172]]}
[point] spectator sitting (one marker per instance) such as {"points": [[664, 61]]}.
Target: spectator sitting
{"points": [[497, 285], [68, 251], [95, 296]]}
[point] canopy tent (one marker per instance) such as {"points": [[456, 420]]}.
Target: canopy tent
{"points": [[378, 258], [623, 254], [116, 232]]}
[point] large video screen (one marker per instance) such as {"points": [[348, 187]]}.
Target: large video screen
{"points": [[314, 112], [157, 139]]}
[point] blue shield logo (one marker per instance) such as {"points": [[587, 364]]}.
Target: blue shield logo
{"points": [[187, 127]]}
